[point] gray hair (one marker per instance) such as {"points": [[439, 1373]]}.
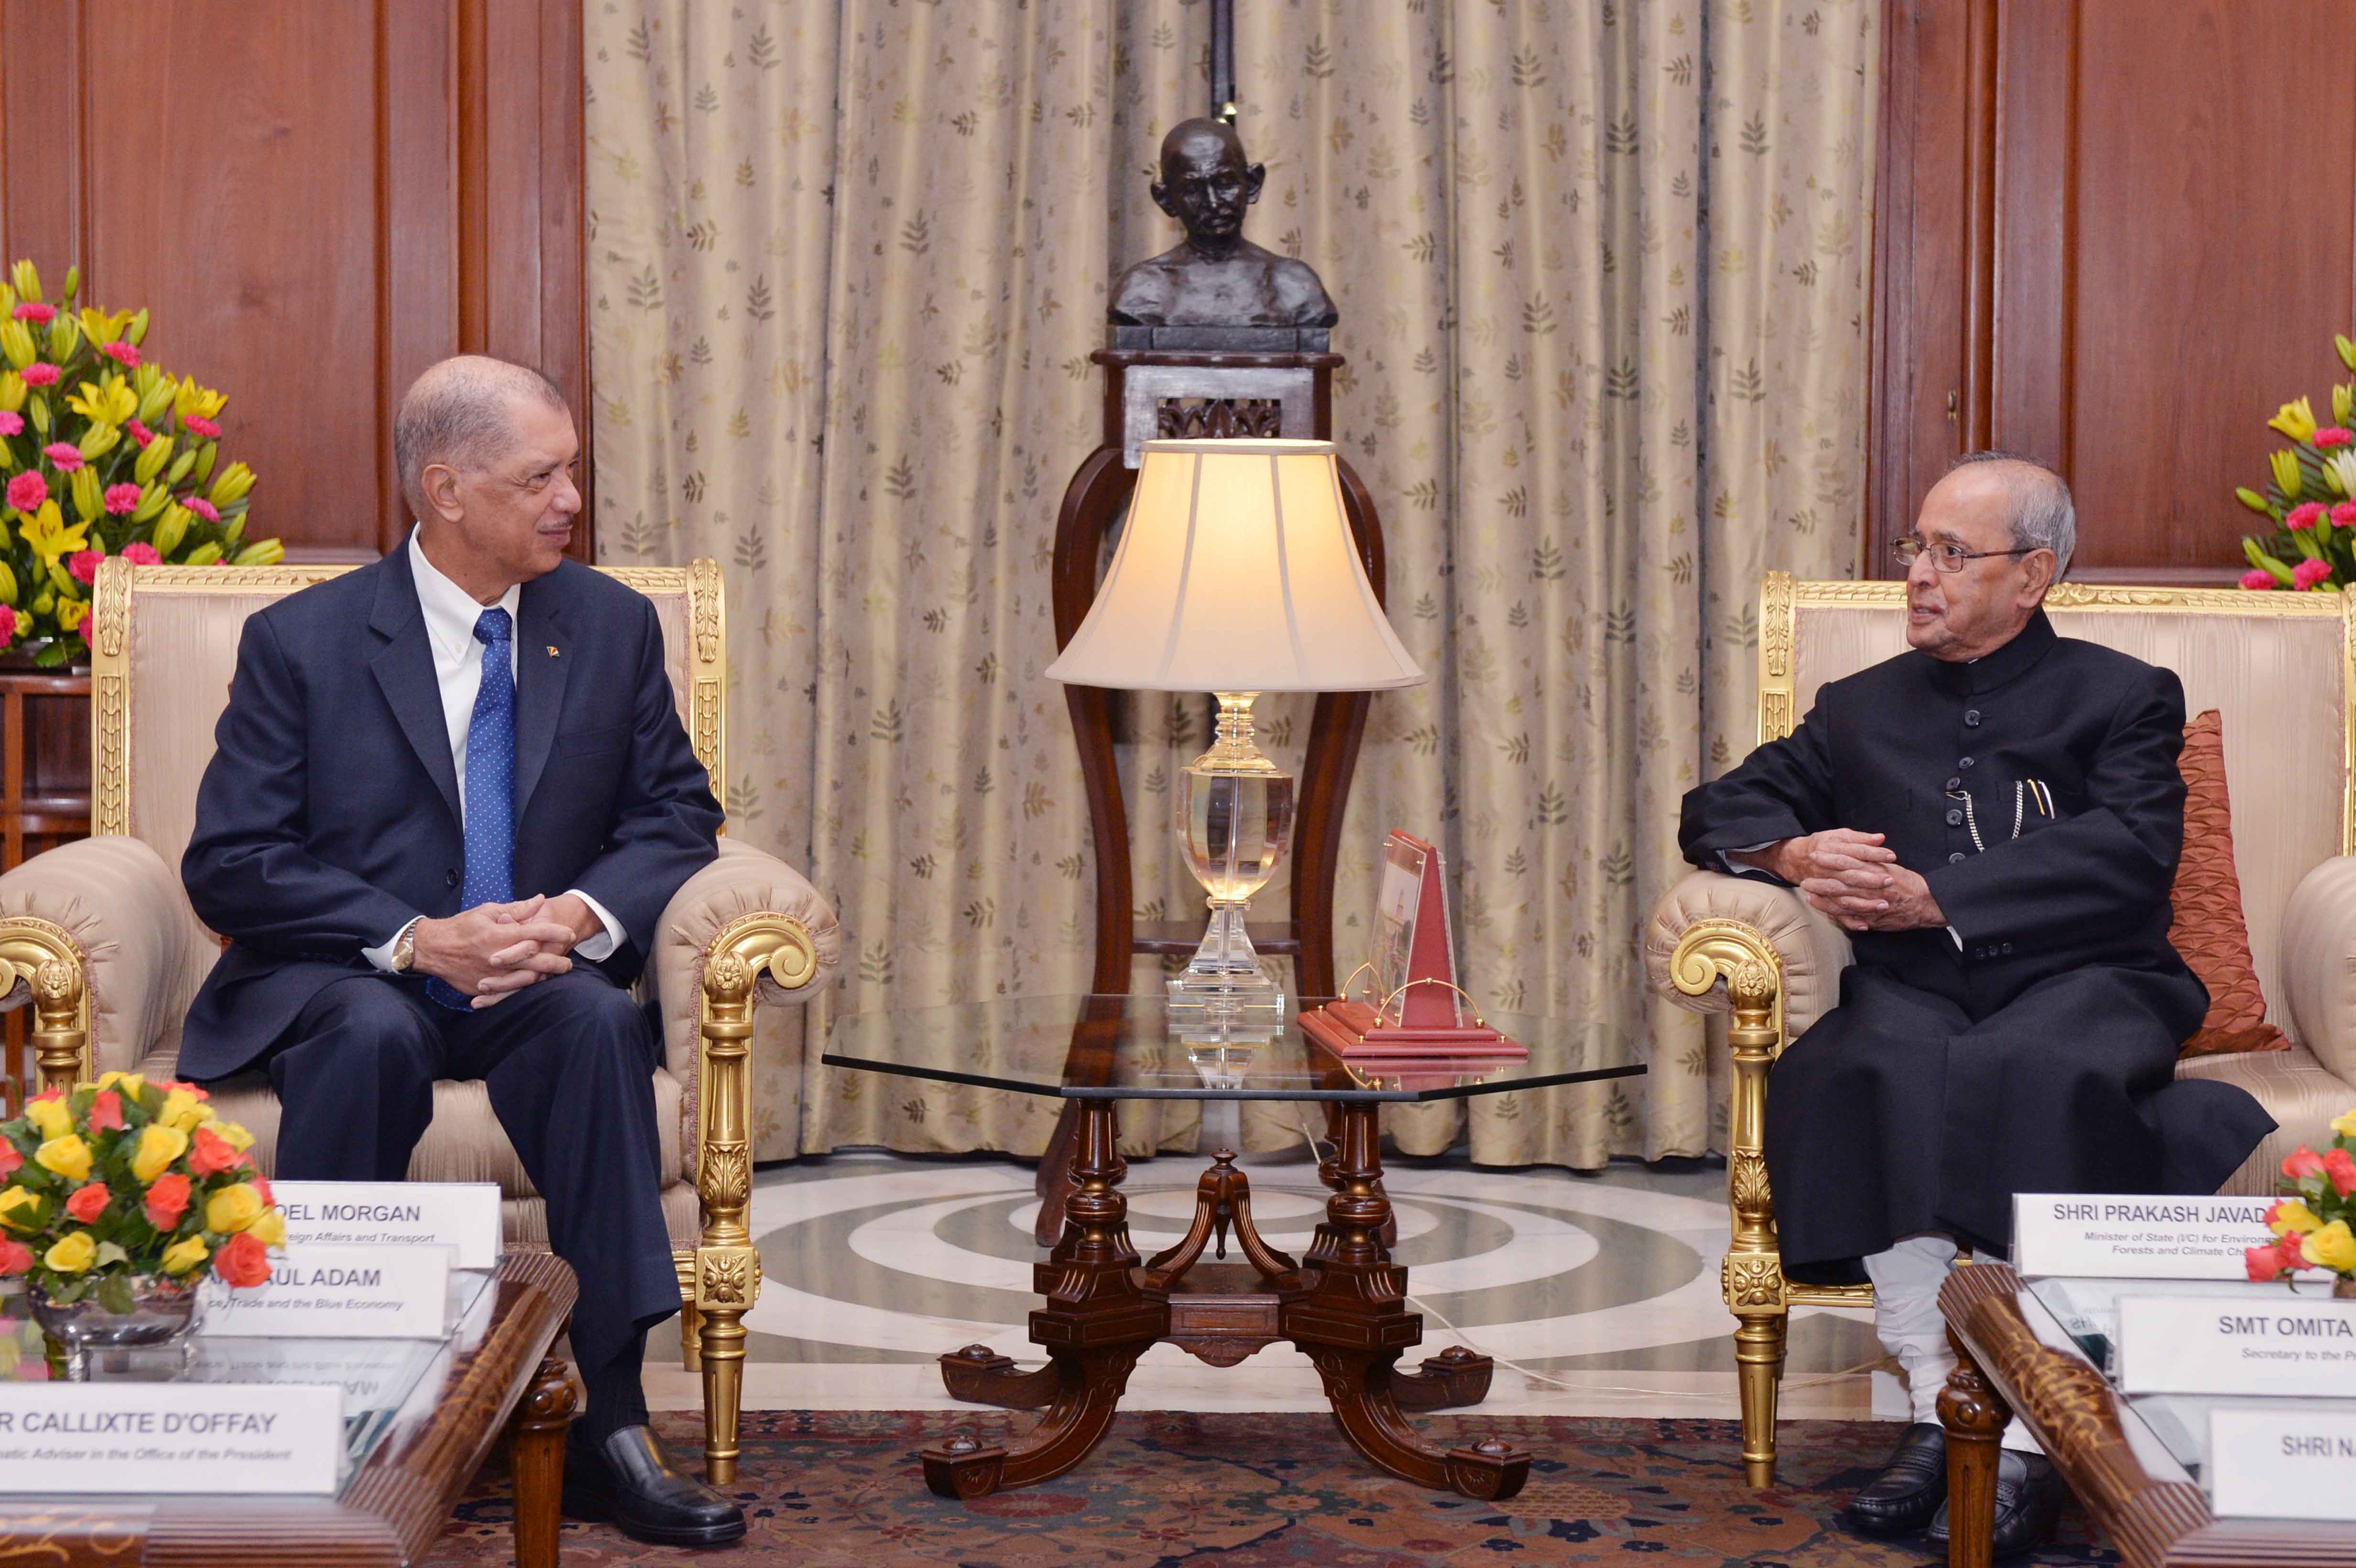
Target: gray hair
{"points": [[455, 414], [2043, 516]]}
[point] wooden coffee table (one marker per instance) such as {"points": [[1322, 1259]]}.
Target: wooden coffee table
{"points": [[2131, 1463], [497, 1379]]}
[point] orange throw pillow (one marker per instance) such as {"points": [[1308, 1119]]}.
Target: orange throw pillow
{"points": [[2208, 930]]}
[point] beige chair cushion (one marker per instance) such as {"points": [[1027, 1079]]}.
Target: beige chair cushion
{"points": [[463, 1143], [2297, 1091], [1812, 948]]}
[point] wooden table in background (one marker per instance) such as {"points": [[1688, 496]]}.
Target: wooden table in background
{"points": [[2154, 1522], [391, 1510], [44, 799]]}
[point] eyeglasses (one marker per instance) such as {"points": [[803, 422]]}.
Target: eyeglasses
{"points": [[1946, 556]]}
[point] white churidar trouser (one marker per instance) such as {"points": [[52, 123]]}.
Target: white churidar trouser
{"points": [[1906, 1281]]}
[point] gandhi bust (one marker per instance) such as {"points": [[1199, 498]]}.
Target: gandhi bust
{"points": [[1215, 277]]}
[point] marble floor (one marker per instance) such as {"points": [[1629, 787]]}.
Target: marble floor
{"points": [[1600, 1290]]}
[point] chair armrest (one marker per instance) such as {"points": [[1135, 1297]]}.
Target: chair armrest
{"points": [[2319, 964], [1812, 949], [117, 916], [732, 895]]}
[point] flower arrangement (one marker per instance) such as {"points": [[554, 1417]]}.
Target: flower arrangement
{"points": [[2312, 1224], [123, 1181], [101, 454], [2309, 500]]}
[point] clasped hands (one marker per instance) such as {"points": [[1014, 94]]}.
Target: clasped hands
{"points": [[492, 951], [1852, 878]]}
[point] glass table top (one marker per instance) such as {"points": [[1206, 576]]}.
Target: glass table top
{"points": [[1128, 1047], [2169, 1432], [390, 1385]]}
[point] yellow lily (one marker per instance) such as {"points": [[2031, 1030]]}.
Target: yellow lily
{"points": [[28, 281], [110, 402], [104, 326], [12, 391], [171, 527], [17, 343], [2285, 466], [86, 500], [2343, 404], [2295, 420], [151, 460], [47, 532], [231, 484], [202, 401], [2340, 467], [260, 552]]}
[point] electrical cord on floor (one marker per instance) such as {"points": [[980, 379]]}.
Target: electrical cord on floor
{"points": [[1420, 1304]]}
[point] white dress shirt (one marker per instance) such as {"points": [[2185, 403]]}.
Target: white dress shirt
{"points": [[450, 615]]}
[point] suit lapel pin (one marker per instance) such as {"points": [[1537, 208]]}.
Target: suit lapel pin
{"points": [[552, 650]]}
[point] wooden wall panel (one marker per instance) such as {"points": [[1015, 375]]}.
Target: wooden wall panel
{"points": [[318, 198], [2112, 235]]}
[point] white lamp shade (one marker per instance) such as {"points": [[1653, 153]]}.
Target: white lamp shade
{"points": [[1236, 572]]}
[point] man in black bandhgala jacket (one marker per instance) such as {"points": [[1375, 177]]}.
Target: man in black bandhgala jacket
{"points": [[1996, 817], [448, 801]]}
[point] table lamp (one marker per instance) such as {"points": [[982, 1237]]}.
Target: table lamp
{"points": [[1236, 575]]}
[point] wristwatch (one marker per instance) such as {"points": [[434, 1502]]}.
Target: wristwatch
{"points": [[404, 949]]}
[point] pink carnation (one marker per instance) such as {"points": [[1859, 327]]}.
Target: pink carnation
{"points": [[7, 624], [204, 508], [64, 453], [140, 434], [27, 491], [2344, 514], [203, 427], [40, 373], [2332, 436], [11, 422], [129, 356], [84, 564], [2306, 574], [121, 498], [2305, 516], [39, 315], [2257, 580], [142, 554]]}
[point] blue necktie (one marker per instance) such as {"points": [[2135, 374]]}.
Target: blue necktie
{"points": [[490, 783]]}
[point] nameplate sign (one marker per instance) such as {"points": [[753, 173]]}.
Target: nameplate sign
{"points": [[339, 1292], [2290, 1462], [460, 1214], [117, 1437], [2111, 1236], [2265, 1343]]}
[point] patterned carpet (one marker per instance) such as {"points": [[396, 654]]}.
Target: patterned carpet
{"points": [[835, 1489]]}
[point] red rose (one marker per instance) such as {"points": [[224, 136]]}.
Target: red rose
{"points": [[2264, 1262], [106, 1112], [15, 1257], [88, 1202], [9, 1159], [2341, 1167], [243, 1260], [209, 1154], [167, 1200], [2306, 1162]]}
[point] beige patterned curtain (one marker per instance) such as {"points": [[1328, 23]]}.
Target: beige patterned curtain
{"points": [[1601, 271]]}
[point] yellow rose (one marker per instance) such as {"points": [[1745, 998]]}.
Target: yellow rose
{"points": [[2345, 1122], [51, 1118], [2292, 1217], [68, 1155], [2332, 1247], [270, 1230], [232, 1208], [159, 1148], [183, 1111], [130, 1083], [237, 1137], [184, 1254], [74, 1255], [14, 1198]]}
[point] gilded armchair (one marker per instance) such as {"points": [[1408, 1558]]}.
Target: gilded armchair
{"points": [[2280, 667], [100, 937]]}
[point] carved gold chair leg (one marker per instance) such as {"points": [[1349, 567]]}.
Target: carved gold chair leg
{"points": [[690, 1322], [727, 1270], [1741, 956], [46, 959]]}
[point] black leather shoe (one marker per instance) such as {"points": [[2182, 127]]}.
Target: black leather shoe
{"points": [[2030, 1493], [629, 1479], [1910, 1489]]}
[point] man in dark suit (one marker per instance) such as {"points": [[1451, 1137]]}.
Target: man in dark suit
{"points": [[450, 799], [1996, 817]]}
